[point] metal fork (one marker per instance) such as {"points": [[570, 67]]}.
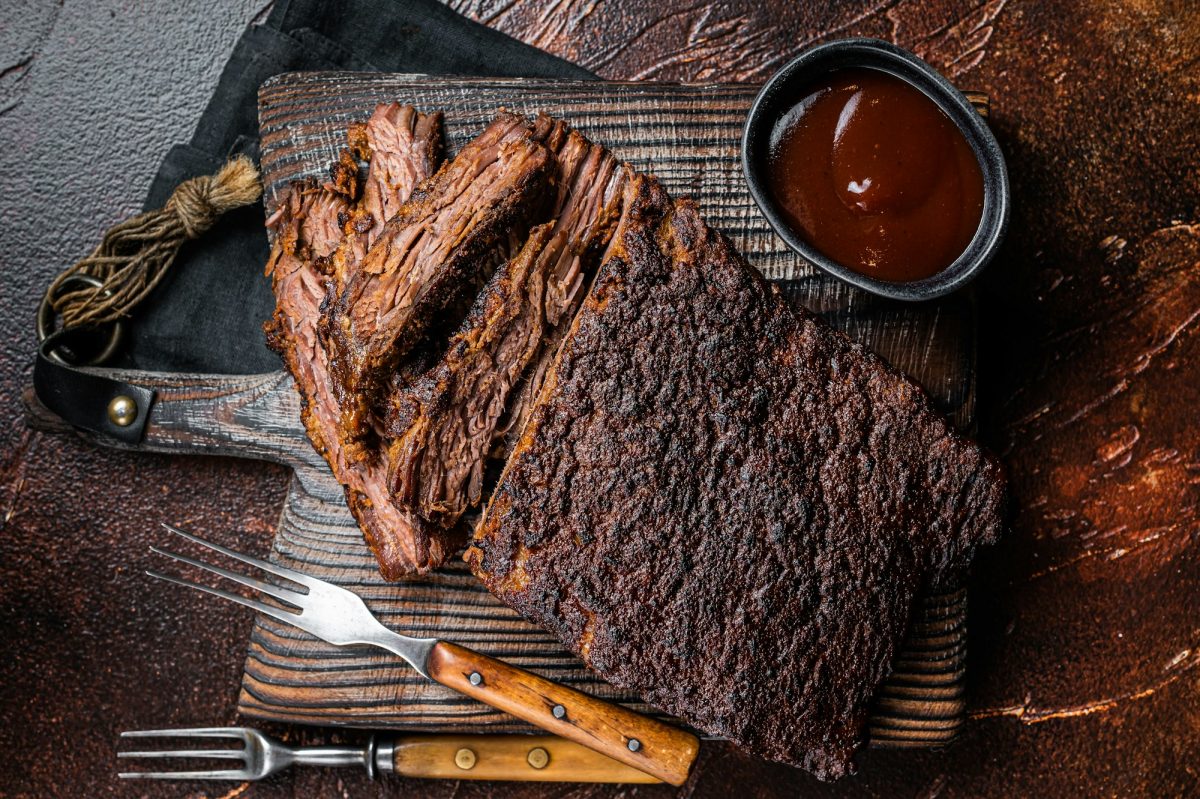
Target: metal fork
{"points": [[261, 754], [527, 758], [340, 617]]}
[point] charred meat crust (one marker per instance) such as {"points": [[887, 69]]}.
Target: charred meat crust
{"points": [[724, 505], [311, 222], [446, 424], [437, 249]]}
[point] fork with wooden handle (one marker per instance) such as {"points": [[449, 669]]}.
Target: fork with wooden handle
{"points": [[527, 758], [340, 617]]}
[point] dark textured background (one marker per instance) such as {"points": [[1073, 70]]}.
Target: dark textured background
{"points": [[1086, 627]]}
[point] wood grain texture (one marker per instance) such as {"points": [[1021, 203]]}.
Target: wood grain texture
{"points": [[661, 750], [508, 757], [688, 136]]}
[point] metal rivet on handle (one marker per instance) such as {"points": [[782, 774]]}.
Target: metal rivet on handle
{"points": [[476, 678], [122, 411], [538, 757], [634, 744], [559, 711], [465, 759]]}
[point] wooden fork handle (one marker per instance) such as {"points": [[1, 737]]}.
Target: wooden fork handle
{"points": [[648, 745], [526, 758]]}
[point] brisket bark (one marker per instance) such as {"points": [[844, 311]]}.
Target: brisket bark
{"points": [[437, 250], [446, 424], [724, 505], [311, 224]]}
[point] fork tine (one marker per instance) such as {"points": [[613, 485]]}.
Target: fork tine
{"points": [[193, 732], [275, 613], [232, 733], [280, 571], [279, 592], [232, 774], [224, 754]]}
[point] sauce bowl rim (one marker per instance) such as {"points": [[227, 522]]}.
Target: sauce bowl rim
{"points": [[882, 55]]}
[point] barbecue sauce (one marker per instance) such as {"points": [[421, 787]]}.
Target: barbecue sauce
{"points": [[870, 172]]}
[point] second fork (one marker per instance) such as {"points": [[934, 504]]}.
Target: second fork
{"points": [[527, 758]]}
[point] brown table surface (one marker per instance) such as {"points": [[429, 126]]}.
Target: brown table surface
{"points": [[1086, 620]]}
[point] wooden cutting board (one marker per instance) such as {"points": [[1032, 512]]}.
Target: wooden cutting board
{"points": [[688, 136]]}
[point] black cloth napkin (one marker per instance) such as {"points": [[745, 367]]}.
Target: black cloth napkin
{"points": [[207, 315]]}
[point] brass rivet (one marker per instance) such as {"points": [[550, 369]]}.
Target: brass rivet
{"points": [[465, 759], [559, 711], [122, 411], [538, 757]]}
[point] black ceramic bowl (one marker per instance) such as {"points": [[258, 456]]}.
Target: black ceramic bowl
{"points": [[783, 90]]}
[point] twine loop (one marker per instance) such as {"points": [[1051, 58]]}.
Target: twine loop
{"points": [[135, 255]]}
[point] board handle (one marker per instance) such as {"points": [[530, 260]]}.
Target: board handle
{"points": [[245, 416], [524, 758], [644, 743]]}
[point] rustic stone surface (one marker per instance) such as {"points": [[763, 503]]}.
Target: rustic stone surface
{"points": [[1084, 662]]}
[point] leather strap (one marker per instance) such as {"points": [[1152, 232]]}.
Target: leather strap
{"points": [[83, 398]]}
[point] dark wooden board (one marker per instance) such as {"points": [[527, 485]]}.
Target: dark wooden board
{"points": [[688, 136]]}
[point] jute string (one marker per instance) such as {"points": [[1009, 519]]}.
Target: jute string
{"points": [[136, 254]]}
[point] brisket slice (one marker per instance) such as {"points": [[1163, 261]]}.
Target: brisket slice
{"points": [[442, 421], [724, 505], [445, 424], [438, 248], [306, 228], [311, 222], [403, 147]]}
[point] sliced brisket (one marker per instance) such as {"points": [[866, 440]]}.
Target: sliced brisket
{"points": [[403, 147], [444, 418], [445, 424], [724, 505], [310, 224], [438, 249]]}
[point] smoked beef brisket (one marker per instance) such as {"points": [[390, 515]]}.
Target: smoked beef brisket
{"points": [[404, 147], [724, 505], [446, 423], [311, 223], [437, 250]]}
